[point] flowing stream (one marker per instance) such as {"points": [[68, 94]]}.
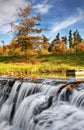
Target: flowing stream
{"points": [[42, 104]]}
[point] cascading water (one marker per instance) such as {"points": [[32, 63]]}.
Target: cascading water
{"points": [[41, 104]]}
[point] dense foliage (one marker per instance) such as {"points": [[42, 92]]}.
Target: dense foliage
{"points": [[72, 43]]}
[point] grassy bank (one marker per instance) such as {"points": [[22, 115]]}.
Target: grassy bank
{"points": [[45, 65]]}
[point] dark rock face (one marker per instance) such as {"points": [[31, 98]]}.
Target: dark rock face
{"points": [[41, 104]]}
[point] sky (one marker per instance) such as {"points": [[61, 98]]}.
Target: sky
{"points": [[57, 15]]}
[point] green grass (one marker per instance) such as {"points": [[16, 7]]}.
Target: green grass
{"points": [[50, 65]]}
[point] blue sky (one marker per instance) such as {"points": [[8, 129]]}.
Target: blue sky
{"points": [[57, 15]]}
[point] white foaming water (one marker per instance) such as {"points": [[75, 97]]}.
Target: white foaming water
{"points": [[30, 107], [6, 108], [61, 116], [43, 106]]}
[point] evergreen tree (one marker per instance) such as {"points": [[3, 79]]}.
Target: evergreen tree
{"points": [[58, 37], [77, 39], [55, 41], [70, 39]]}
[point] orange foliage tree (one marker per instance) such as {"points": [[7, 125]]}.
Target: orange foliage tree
{"points": [[80, 47], [24, 32], [60, 47], [45, 41]]}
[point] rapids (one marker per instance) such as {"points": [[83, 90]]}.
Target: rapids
{"points": [[42, 104]]}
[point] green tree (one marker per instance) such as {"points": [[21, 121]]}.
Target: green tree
{"points": [[77, 39], [70, 39], [58, 37]]}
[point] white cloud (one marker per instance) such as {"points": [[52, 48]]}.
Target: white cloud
{"points": [[5, 29], [8, 13], [69, 21], [43, 8]]}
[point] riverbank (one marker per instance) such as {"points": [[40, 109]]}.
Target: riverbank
{"points": [[50, 65]]}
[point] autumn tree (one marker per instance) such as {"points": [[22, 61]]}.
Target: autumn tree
{"points": [[60, 47], [29, 26], [64, 38], [45, 42], [14, 48], [80, 47]]}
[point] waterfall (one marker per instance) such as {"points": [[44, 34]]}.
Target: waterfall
{"points": [[43, 104]]}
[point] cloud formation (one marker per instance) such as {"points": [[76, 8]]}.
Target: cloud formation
{"points": [[5, 29], [43, 8], [8, 13], [69, 21]]}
